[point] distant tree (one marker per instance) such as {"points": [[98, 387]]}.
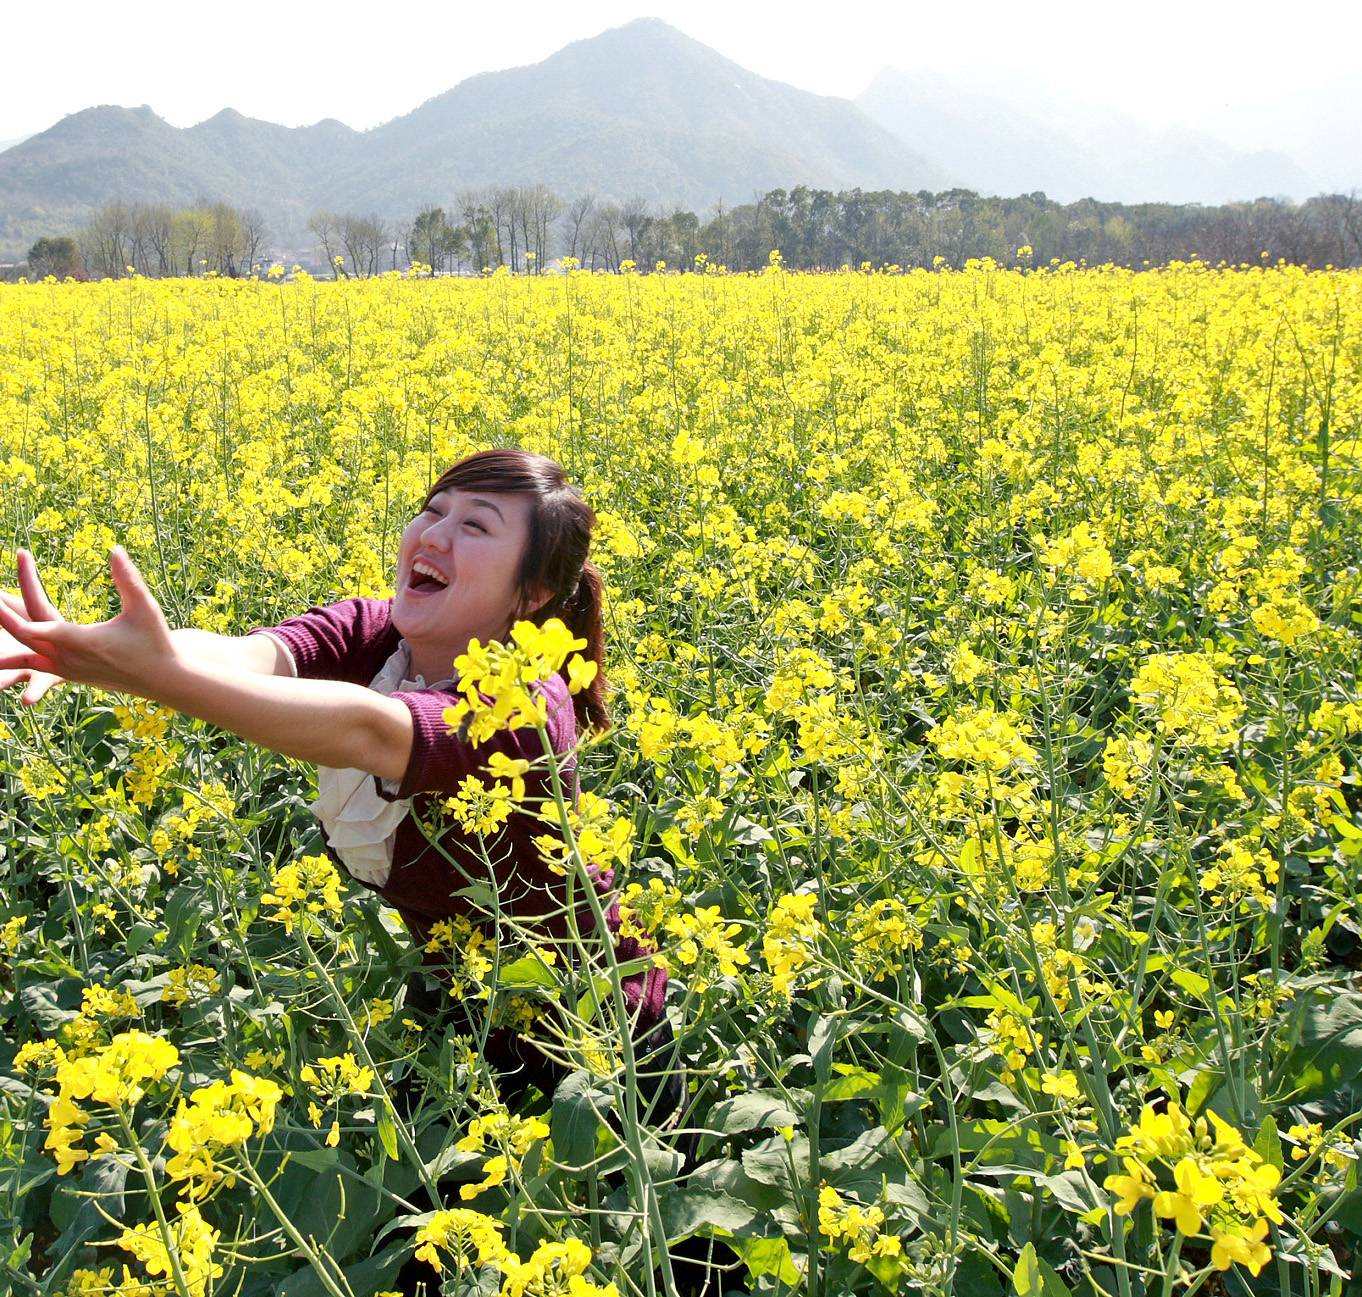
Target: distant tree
{"points": [[633, 216], [399, 243], [105, 241], [225, 249], [484, 213], [575, 220], [324, 226], [433, 240], [254, 234], [59, 257], [155, 224], [190, 232], [601, 244], [539, 207], [364, 239]]}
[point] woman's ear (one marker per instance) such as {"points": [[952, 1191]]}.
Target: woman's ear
{"points": [[532, 600]]}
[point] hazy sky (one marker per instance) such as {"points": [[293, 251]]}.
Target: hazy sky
{"points": [[292, 62]]}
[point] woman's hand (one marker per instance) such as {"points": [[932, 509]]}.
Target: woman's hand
{"points": [[32, 602], [128, 653], [246, 691]]}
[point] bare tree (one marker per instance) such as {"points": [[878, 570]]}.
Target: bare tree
{"points": [[325, 226], [602, 240], [543, 207], [254, 234], [158, 222], [399, 242], [105, 241], [365, 238], [633, 215], [579, 212]]}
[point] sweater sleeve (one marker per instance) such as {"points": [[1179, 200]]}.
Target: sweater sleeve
{"points": [[349, 640], [440, 759]]}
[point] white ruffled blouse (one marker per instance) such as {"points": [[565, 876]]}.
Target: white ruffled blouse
{"points": [[361, 826]]}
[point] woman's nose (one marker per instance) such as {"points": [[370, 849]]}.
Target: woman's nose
{"points": [[438, 535]]}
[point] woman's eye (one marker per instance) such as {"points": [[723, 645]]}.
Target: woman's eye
{"points": [[474, 523]]}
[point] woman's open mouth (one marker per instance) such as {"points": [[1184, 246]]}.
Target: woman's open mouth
{"points": [[425, 579]]}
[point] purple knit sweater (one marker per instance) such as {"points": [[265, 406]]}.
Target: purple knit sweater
{"points": [[351, 640]]}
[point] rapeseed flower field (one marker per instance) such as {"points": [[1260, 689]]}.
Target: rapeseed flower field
{"points": [[985, 648]]}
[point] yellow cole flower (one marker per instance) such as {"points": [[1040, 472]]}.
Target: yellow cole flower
{"points": [[194, 1242]]}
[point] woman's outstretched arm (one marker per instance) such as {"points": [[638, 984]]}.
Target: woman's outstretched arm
{"points": [[329, 722]]}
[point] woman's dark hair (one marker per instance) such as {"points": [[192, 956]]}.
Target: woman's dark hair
{"points": [[555, 559]]}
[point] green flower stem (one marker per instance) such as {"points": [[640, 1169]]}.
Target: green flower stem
{"points": [[153, 1192], [313, 1259], [362, 1048], [651, 1217]]}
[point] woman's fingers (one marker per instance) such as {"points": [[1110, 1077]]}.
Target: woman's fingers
{"points": [[21, 665], [37, 635], [36, 602], [38, 684], [138, 601]]}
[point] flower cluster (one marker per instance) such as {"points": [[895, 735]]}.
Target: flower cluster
{"points": [[790, 943], [193, 1241], [310, 885], [218, 1117], [498, 680], [1201, 1175], [1192, 703], [856, 1226], [513, 1135], [468, 1240]]}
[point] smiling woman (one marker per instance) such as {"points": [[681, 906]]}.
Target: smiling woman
{"points": [[361, 688]]}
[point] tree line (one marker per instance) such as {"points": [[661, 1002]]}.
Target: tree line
{"points": [[528, 228], [158, 241]]}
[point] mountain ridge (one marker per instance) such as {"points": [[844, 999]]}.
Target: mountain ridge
{"points": [[640, 109], [1011, 133]]}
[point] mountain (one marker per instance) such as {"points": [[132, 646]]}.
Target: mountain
{"points": [[638, 110], [1008, 133], [643, 109], [1321, 128]]}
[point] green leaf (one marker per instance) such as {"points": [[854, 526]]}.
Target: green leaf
{"points": [[373, 1274], [1205, 1085], [1268, 1145], [853, 1083], [1034, 1278], [578, 1108], [184, 912], [1000, 1143], [1328, 1031], [726, 1176], [822, 1043], [755, 1110], [1026, 1277], [763, 1256], [387, 1134], [686, 1211], [770, 1161], [140, 934], [527, 971], [1192, 983]]}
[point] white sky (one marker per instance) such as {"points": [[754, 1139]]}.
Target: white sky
{"points": [[293, 62]]}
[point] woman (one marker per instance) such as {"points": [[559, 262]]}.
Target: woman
{"points": [[360, 688]]}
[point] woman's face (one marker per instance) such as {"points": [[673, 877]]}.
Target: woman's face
{"points": [[457, 570]]}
